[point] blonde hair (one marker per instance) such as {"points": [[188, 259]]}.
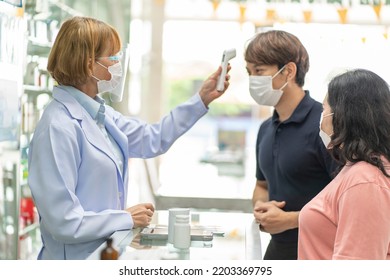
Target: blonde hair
{"points": [[79, 42]]}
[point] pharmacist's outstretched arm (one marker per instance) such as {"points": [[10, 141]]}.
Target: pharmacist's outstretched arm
{"points": [[208, 91]]}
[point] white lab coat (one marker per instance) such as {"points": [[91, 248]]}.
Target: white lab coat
{"points": [[78, 189]]}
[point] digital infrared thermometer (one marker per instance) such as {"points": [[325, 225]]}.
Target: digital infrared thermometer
{"points": [[227, 55]]}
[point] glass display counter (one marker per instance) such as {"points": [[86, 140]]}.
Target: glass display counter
{"points": [[236, 237]]}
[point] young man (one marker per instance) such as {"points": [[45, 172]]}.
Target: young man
{"points": [[293, 164]]}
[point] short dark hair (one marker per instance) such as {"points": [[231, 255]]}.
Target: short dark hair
{"points": [[277, 47], [360, 101]]}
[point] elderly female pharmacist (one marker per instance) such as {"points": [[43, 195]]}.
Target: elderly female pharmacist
{"points": [[78, 169]]}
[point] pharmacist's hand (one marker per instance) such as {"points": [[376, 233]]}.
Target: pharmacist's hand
{"points": [[142, 214], [208, 92]]}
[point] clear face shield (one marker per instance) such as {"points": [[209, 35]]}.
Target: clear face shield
{"points": [[116, 95]]}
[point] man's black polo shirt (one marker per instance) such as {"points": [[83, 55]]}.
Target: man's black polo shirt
{"points": [[293, 160]]}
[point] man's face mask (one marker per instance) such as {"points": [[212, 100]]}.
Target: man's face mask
{"points": [[260, 88]]}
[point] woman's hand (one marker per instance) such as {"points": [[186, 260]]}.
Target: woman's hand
{"points": [[142, 214], [208, 91]]}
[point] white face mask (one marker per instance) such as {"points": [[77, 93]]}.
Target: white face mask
{"points": [[325, 137], [260, 88], [116, 78]]}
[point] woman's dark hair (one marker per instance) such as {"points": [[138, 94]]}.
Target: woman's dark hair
{"points": [[360, 101]]}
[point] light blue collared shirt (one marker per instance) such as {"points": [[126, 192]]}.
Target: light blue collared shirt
{"points": [[96, 109]]}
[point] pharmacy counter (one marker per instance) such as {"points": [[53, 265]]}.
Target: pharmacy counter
{"points": [[235, 237]]}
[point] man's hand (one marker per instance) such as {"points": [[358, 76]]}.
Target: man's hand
{"points": [[272, 218]]}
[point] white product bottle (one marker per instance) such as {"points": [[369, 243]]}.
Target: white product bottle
{"points": [[172, 220], [182, 235]]}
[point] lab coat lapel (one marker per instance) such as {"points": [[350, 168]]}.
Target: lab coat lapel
{"points": [[120, 138], [91, 131], [122, 141], [95, 137]]}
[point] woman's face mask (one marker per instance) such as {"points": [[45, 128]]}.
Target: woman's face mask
{"points": [[116, 78], [325, 137], [260, 88]]}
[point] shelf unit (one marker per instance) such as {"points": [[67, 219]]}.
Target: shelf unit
{"points": [[19, 221], [39, 24]]}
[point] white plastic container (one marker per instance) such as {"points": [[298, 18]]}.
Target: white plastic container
{"points": [[172, 219], [182, 235]]}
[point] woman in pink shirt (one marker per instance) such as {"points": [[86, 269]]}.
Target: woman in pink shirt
{"points": [[350, 218]]}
